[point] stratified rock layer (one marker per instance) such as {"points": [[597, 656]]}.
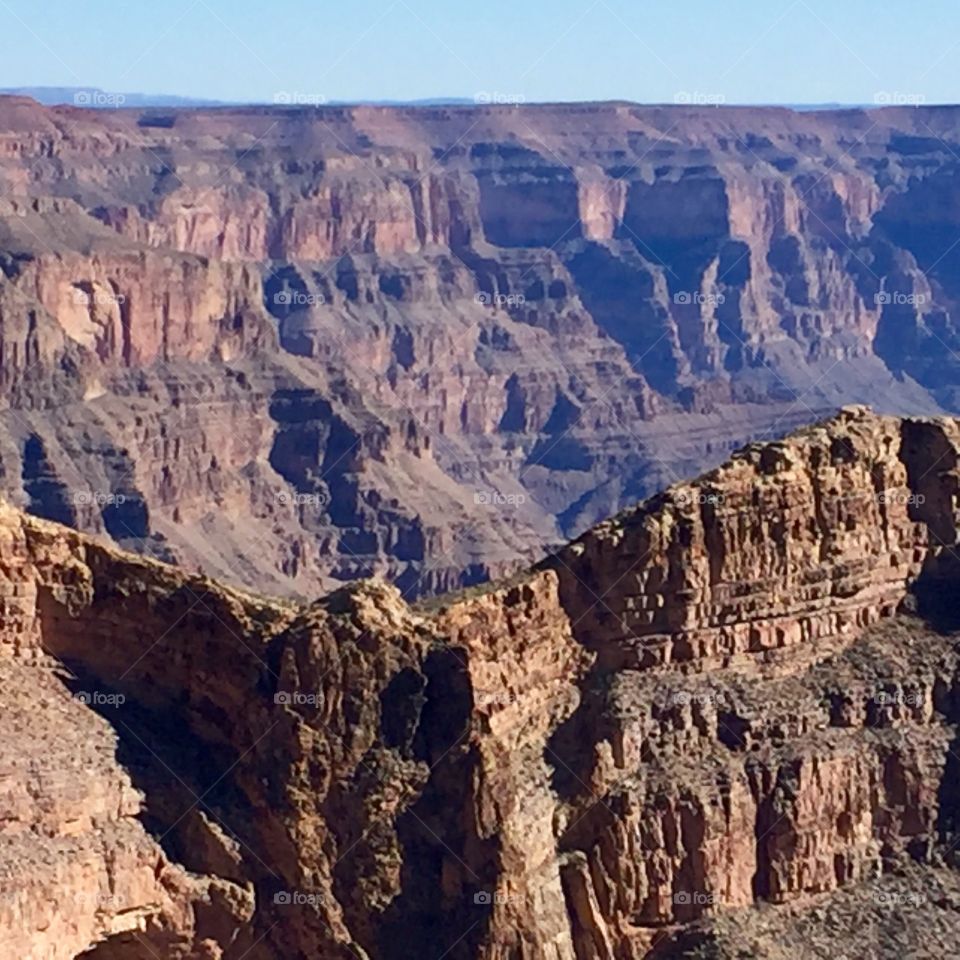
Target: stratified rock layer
{"points": [[433, 344], [716, 705]]}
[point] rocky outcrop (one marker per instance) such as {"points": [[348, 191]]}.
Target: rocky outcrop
{"points": [[787, 543], [78, 866], [701, 708], [501, 325]]}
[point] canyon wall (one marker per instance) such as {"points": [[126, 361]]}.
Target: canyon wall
{"points": [[740, 693], [431, 344]]}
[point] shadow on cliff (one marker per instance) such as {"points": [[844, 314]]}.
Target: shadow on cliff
{"points": [[178, 775], [185, 786], [935, 596], [569, 751], [443, 864]]}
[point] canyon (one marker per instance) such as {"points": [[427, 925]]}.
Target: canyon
{"points": [[293, 347], [720, 724]]}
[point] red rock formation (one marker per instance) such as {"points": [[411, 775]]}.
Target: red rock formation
{"points": [[501, 772], [789, 542], [555, 309]]}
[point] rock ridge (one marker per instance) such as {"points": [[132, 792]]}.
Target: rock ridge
{"points": [[615, 754]]}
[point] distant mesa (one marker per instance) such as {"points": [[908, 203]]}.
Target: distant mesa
{"points": [[98, 99]]}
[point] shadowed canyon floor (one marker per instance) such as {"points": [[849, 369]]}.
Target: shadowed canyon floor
{"points": [[719, 725], [290, 346]]}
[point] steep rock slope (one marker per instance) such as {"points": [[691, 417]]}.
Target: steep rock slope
{"points": [[426, 343], [727, 711]]}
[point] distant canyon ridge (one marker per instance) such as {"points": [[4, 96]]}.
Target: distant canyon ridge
{"points": [[292, 346]]}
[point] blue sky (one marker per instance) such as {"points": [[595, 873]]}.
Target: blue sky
{"points": [[742, 51]]}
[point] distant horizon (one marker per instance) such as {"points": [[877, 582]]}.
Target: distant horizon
{"points": [[57, 95], [749, 53]]}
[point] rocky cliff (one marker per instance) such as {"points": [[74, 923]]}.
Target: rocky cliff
{"points": [[426, 343], [721, 724]]}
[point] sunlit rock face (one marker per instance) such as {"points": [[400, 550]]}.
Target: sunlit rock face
{"points": [[726, 716], [292, 347]]}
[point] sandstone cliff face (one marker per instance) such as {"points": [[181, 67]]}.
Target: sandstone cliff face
{"points": [[789, 542], [502, 325], [700, 707]]}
